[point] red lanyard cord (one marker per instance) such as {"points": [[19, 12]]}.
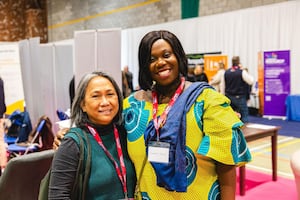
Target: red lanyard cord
{"points": [[161, 121], [120, 172]]}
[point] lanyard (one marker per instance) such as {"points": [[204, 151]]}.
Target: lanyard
{"points": [[121, 173], [158, 123]]}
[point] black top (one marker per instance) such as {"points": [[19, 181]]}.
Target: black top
{"points": [[2, 99], [234, 83], [201, 77]]}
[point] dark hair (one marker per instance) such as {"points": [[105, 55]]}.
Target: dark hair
{"points": [[145, 80], [80, 118], [235, 61]]}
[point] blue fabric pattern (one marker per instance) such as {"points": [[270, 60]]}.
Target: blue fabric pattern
{"points": [[135, 119], [214, 194]]}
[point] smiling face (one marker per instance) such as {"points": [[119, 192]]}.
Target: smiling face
{"points": [[164, 66], [101, 101]]}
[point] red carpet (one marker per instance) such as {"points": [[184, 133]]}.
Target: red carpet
{"points": [[259, 186]]}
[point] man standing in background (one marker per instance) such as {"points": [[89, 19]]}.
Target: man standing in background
{"points": [[235, 86], [127, 81], [129, 78], [3, 157], [2, 99]]}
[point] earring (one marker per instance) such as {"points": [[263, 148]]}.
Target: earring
{"points": [[153, 85]]}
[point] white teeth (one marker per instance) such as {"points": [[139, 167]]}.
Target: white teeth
{"points": [[163, 73]]}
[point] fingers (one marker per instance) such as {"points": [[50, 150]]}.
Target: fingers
{"points": [[58, 137], [56, 143], [61, 133]]}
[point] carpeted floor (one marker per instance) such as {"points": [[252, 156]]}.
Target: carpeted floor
{"points": [[288, 128], [259, 186]]}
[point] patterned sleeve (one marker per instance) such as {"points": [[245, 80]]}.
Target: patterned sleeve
{"points": [[223, 138]]}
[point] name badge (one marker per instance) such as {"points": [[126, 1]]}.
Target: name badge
{"points": [[158, 152]]}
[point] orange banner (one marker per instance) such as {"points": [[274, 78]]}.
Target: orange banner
{"points": [[260, 67], [211, 64]]}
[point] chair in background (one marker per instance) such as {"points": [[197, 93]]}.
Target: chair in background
{"points": [[28, 146], [45, 136], [19, 126], [9, 139], [23, 174], [295, 165], [40, 138]]}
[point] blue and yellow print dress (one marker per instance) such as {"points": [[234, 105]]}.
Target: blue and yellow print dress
{"points": [[223, 141]]}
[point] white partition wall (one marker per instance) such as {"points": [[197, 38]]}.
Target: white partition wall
{"points": [[98, 50], [63, 66], [29, 60], [46, 71], [44, 82], [84, 53], [10, 72]]}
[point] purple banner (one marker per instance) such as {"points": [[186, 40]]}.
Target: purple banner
{"points": [[276, 82]]}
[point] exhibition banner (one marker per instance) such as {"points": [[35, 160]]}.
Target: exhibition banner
{"points": [[276, 82], [10, 72], [209, 60], [211, 63], [260, 81]]}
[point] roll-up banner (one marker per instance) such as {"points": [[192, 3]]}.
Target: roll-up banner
{"points": [[276, 82]]}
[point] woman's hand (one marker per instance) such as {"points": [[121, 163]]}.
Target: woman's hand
{"points": [[58, 137]]}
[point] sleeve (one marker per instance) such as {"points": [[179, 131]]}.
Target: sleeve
{"points": [[64, 167], [223, 138], [216, 78], [247, 77]]}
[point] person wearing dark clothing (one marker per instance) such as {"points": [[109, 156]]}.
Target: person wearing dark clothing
{"points": [[236, 82], [127, 85], [2, 99], [129, 78], [72, 90], [97, 114], [3, 157], [200, 74], [190, 73]]}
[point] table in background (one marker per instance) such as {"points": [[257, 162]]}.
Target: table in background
{"points": [[254, 132], [293, 107]]}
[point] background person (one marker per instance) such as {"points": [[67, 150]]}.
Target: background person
{"points": [[3, 156], [216, 79], [72, 90], [129, 77], [125, 88], [199, 73], [127, 82], [97, 111], [190, 73], [236, 87]]}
